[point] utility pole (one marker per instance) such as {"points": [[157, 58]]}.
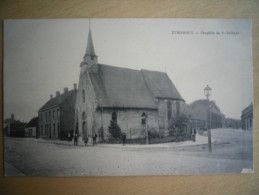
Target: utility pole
{"points": [[144, 122], [207, 93]]}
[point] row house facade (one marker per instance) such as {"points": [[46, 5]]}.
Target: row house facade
{"points": [[247, 118], [56, 116]]}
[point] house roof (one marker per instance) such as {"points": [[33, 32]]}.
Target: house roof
{"points": [[121, 87], [16, 126], [56, 101], [128, 88], [160, 85], [199, 109], [33, 122]]}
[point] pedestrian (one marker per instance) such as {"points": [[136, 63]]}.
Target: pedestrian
{"points": [[124, 139], [94, 138], [194, 135], [75, 140], [86, 140]]}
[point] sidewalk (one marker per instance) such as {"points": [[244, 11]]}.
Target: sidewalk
{"points": [[10, 170], [200, 140]]}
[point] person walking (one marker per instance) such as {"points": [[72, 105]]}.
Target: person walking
{"points": [[194, 135], [86, 140], [124, 139], [75, 140], [94, 139]]}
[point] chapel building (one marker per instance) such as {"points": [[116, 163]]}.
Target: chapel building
{"points": [[108, 94]]}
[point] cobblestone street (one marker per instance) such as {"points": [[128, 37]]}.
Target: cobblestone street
{"points": [[231, 153]]}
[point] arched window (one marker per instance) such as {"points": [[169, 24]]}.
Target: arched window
{"points": [[83, 94], [177, 108], [169, 110], [143, 118], [114, 117], [83, 116]]}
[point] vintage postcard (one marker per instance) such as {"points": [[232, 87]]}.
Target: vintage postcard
{"points": [[127, 97]]}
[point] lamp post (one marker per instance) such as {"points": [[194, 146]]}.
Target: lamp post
{"points": [[144, 123], [207, 93]]}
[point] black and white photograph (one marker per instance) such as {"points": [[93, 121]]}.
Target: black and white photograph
{"points": [[127, 97]]}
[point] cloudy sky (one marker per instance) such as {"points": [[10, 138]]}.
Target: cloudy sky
{"points": [[43, 56]]}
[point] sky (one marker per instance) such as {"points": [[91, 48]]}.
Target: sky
{"points": [[43, 56]]}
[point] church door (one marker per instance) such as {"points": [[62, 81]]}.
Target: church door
{"points": [[84, 129]]}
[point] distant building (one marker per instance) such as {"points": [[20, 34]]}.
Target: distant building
{"points": [[232, 123], [14, 128], [247, 118], [111, 95], [56, 116], [199, 116], [31, 128]]}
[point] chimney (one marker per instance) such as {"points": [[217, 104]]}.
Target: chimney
{"points": [[57, 93], [51, 96], [65, 90], [75, 87], [12, 117]]}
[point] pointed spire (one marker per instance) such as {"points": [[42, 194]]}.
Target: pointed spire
{"points": [[90, 57], [90, 45]]}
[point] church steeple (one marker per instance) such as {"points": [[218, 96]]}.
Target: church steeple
{"points": [[90, 57]]}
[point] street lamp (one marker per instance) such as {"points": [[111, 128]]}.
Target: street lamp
{"points": [[207, 91]]}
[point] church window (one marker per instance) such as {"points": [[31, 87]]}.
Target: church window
{"points": [[143, 118], [53, 114], [92, 57], [169, 110], [46, 116], [83, 93], [54, 129], [83, 116], [177, 108], [114, 117], [49, 115]]}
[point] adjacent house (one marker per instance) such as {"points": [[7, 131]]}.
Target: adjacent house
{"points": [[14, 128], [112, 95], [31, 128], [56, 116], [247, 118], [199, 115]]}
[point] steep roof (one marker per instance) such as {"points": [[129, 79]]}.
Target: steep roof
{"points": [[128, 88], [33, 122], [120, 87], [160, 85], [56, 101], [198, 109]]}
